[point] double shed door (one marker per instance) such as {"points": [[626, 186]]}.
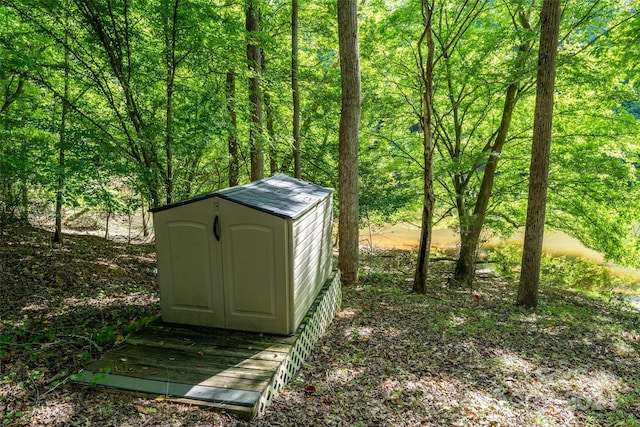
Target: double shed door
{"points": [[227, 267]]}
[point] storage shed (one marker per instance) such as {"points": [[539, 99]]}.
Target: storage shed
{"points": [[251, 257]]}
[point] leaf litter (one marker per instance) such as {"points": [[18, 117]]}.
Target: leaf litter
{"points": [[390, 357]]}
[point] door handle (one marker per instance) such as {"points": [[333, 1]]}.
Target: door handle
{"points": [[216, 228]]}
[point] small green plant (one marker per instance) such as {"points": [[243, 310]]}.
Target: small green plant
{"points": [[7, 379], [108, 410], [104, 335], [9, 416], [507, 259], [85, 356], [355, 334]]}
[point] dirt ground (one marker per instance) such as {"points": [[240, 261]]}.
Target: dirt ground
{"points": [[389, 358]]}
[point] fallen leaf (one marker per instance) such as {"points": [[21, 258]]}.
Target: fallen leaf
{"points": [[141, 409]]}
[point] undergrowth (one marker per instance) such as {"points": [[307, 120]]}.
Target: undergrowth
{"points": [[571, 272]]}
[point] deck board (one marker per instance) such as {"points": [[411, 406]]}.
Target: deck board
{"points": [[231, 371]]}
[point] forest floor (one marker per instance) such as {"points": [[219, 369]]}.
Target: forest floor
{"points": [[390, 357]]}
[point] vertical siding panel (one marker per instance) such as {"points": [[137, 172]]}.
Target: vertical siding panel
{"points": [[312, 255]]}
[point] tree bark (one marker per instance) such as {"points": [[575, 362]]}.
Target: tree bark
{"points": [[422, 265], [471, 229], [348, 141], [232, 138], [464, 273], [170, 34], [254, 59], [539, 169], [57, 233], [271, 133], [297, 168]]}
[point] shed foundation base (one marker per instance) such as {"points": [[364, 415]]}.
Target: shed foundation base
{"points": [[231, 371]]}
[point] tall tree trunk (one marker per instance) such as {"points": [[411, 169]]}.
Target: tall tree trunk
{"points": [[170, 34], [470, 233], [297, 168], [539, 169], [471, 229], [271, 133], [254, 59], [57, 233], [422, 265], [348, 140], [232, 137]]}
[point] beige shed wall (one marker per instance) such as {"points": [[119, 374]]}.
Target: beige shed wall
{"points": [[312, 249], [262, 275]]}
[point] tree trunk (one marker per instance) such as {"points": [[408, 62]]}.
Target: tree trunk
{"points": [[464, 273], [271, 133], [422, 265], [470, 230], [254, 59], [145, 229], [170, 34], [539, 169], [348, 140], [297, 168], [57, 233], [232, 139]]}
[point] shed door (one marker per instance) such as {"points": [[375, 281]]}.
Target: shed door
{"points": [[255, 285], [189, 274]]}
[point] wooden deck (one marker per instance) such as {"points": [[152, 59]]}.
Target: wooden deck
{"points": [[236, 372]]}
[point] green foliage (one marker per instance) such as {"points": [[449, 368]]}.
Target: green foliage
{"points": [[118, 139], [571, 272]]}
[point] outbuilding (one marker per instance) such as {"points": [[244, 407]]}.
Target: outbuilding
{"points": [[250, 257]]}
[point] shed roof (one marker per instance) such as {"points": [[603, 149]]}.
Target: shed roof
{"points": [[279, 195]]}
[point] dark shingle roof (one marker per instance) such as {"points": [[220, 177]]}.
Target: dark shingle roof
{"points": [[279, 195]]}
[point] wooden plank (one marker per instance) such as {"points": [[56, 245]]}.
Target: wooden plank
{"points": [[276, 354], [170, 388], [195, 358], [117, 361], [232, 378], [221, 337], [244, 412], [230, 334]]}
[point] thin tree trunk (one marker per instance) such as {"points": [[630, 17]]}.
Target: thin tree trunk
{"points": [[170, 34], [106, 227], [271, 133], [540, 153], [232, 138], [470, 235], [348, 141], [145, 229], [57, 234], [24, 200], [255, 93], [422, 265], [464, 273], [297, 168]]}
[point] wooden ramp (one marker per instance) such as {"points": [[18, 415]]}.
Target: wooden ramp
{"points": [[236, 372]]}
